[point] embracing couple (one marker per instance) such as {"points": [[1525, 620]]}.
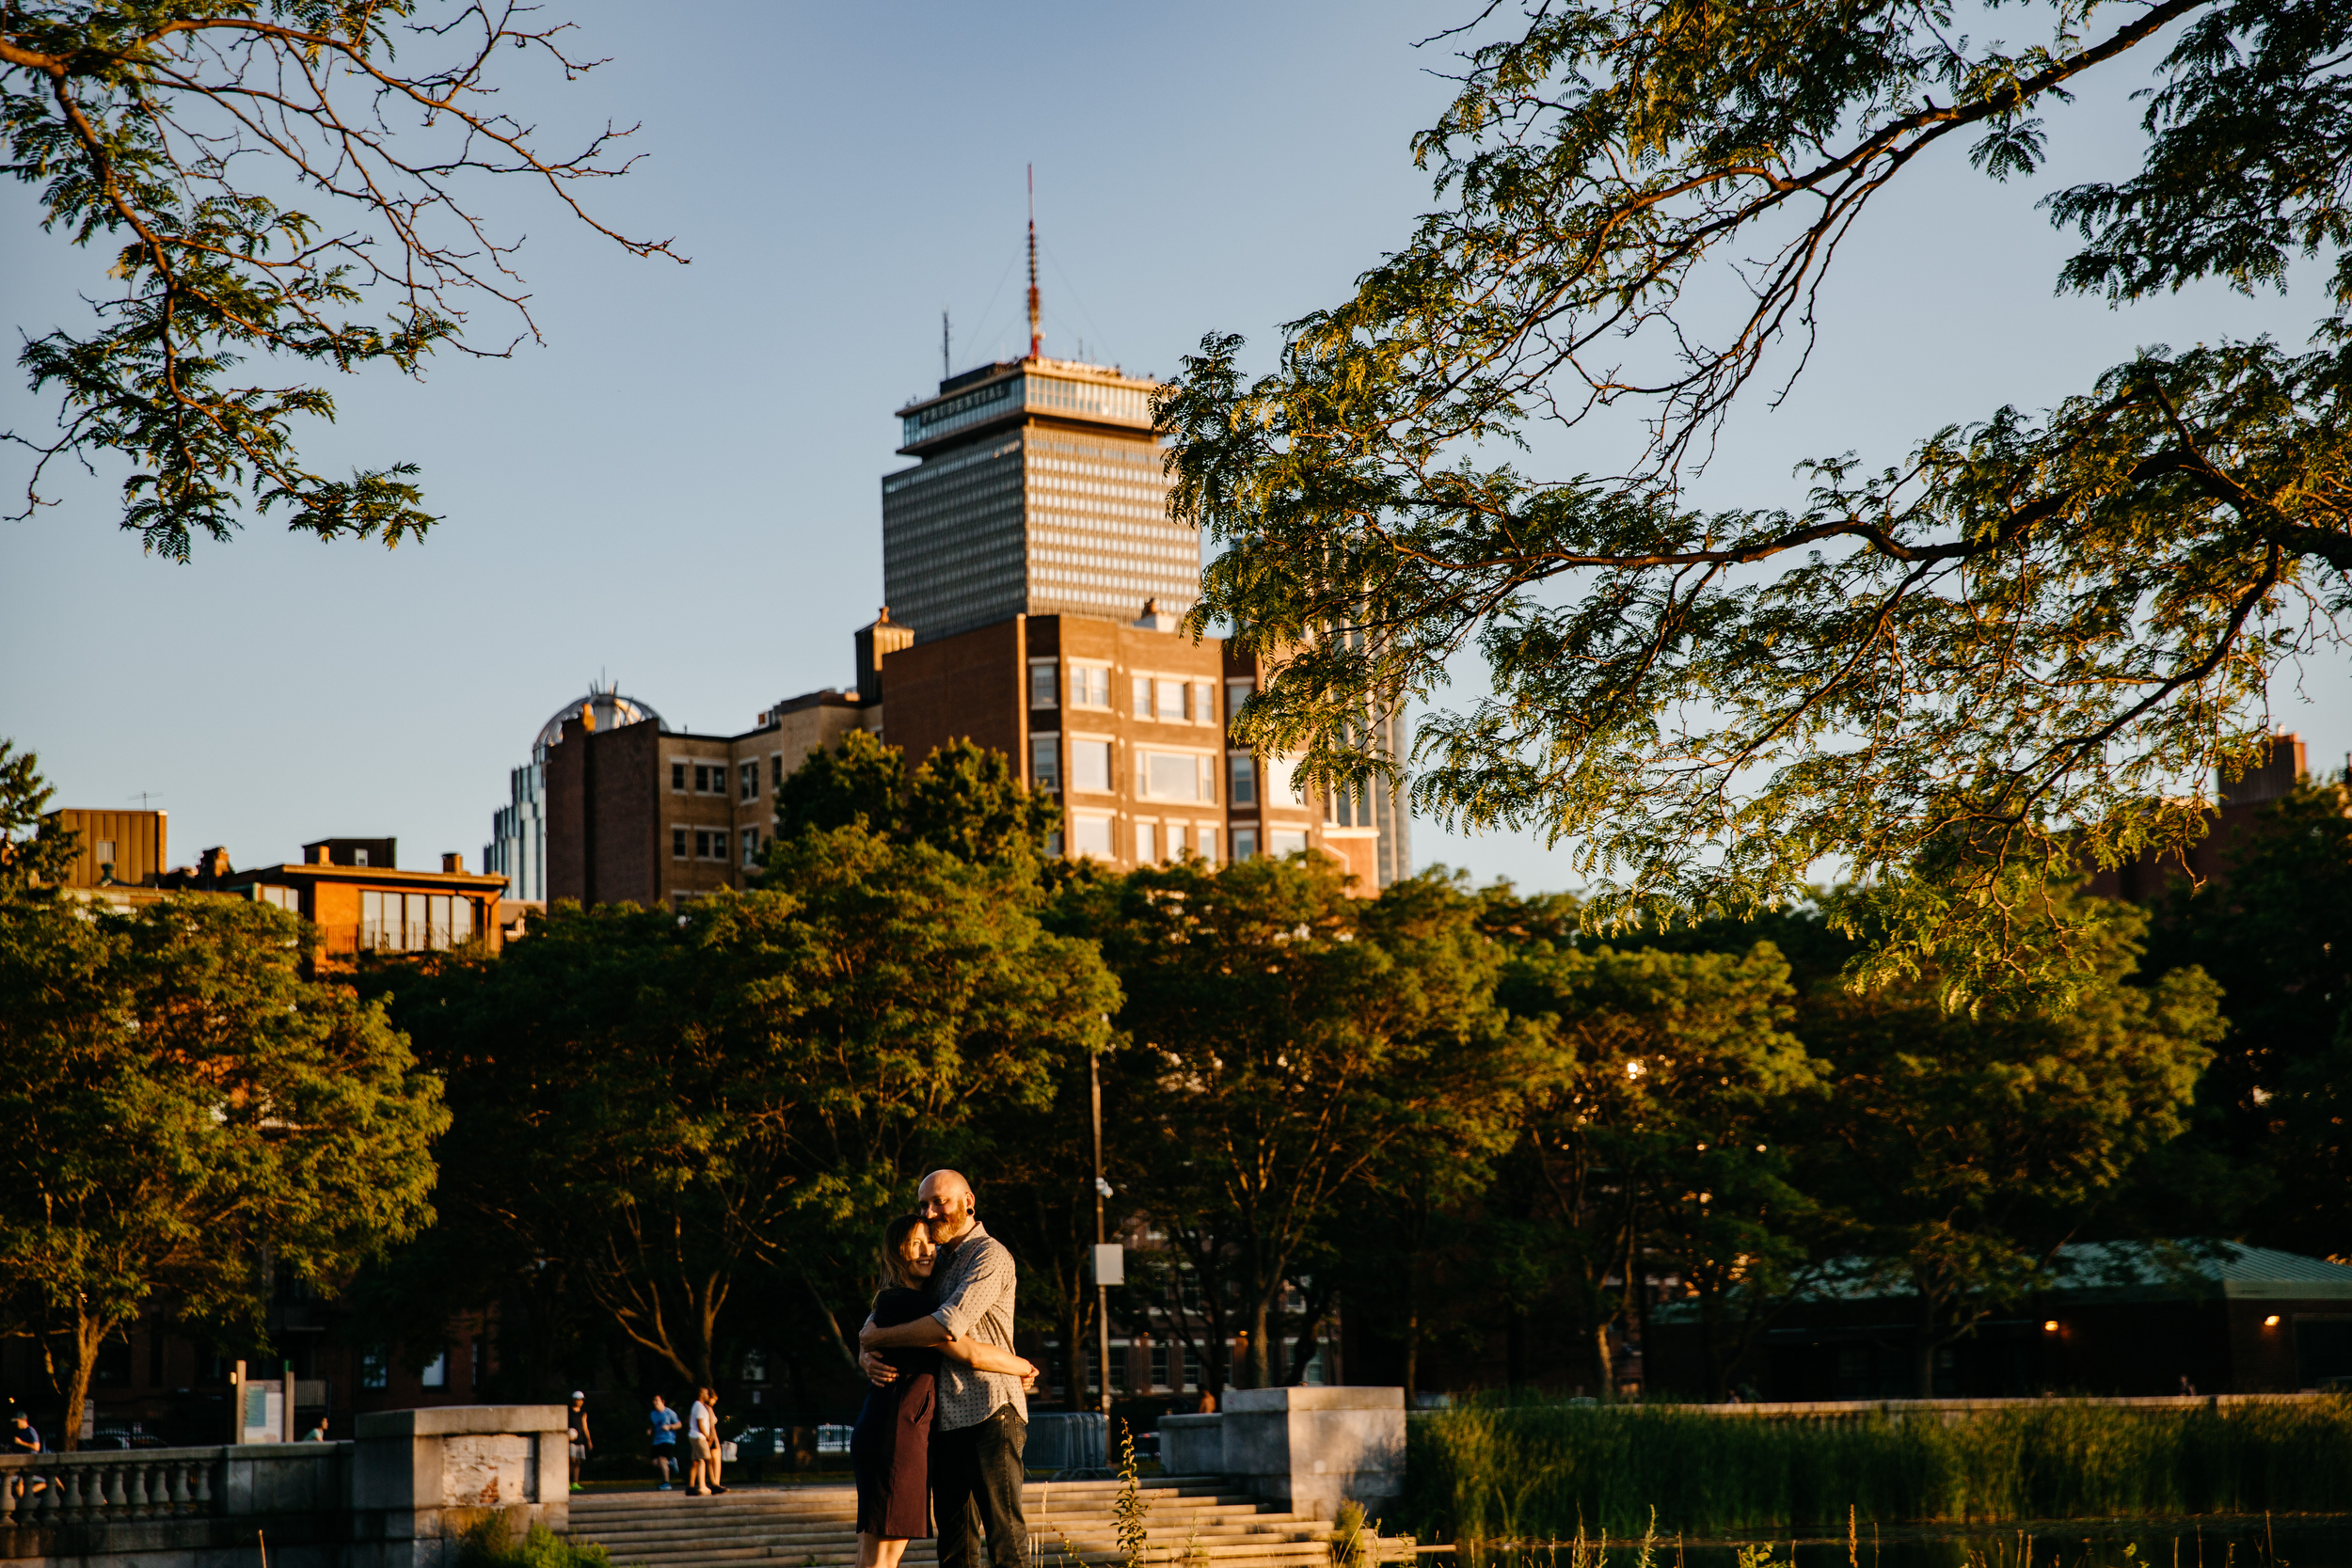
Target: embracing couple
{"points": [[945, 1423]]}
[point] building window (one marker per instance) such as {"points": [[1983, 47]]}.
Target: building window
{"points": [[1245, 844], [436, 1373], [106, 851], [359, 857], [1042, 690], [1053, 844], [1177, 776], [1282, 787], [748, 781], [678, 777], [1091, 835], [751, 846], [1203, 707], [1046, 762], [1236, 693], [1147, 843], [1119, 1354], [282, 897], [1159, 1366], [1286, 841], [480, 1370], [1140, 696], [1090, 764], [1172, 700], [1244, 770], [1089, 686], [376, 1369], [1205, 844], [677, 843], [775, 769], [414, 922], [1192, 1367]]}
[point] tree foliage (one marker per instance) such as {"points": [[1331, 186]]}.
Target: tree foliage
{"points": [[35, 850], [175, 133], [1292, 1041], [1964, 1152], [660, 1106], [191, 1119], [2029, 643], [963, 798]]}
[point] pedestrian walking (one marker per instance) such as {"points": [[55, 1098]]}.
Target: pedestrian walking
{"points": [[579, 1437], [702, 1443], [664, 1424]]}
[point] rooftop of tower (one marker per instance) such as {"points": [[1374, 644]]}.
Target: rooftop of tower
{"points": [[1009, 389]]}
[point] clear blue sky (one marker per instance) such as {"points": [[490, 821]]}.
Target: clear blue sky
{"points": [[680, 490]]}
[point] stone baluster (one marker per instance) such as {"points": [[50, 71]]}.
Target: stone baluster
{"points": [[204, 1486], [118, 1493], [68, 1480], [182, 1500], [141, 1503], [9, 1481]]}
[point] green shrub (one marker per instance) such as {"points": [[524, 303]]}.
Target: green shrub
{"points": [[1539, 1469], [491, 1543]]}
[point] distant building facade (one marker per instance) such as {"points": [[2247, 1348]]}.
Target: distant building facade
{"points": [[518, 850], [2237, 812], [649, 816], [1039, 491]]}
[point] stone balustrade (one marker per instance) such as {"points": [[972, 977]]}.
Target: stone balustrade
{"points": [[83, 1488], [398, 1497]]}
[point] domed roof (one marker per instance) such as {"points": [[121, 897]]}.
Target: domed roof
{"points": [[604, 709]]}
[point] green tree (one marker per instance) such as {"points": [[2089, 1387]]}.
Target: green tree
{"points": [[1294, 1040], [170, 131], [2267, 1153], [190, 1119], [1964, 1152], [34, 848], [659, 1104], [1656, 1152], [963, 798], [2027, 642]]}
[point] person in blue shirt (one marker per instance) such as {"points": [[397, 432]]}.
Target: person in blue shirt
{"points": [[664, 1424]]}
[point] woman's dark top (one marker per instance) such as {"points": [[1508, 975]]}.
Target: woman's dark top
{"points": [[891, 1447]]}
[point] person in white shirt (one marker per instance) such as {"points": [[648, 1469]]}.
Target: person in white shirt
{"points": [[702, 1445]]}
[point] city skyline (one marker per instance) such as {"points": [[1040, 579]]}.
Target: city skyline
{"points": [[677, 492]]}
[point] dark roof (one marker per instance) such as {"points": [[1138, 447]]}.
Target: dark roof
{"points": [[2131, 1271]]}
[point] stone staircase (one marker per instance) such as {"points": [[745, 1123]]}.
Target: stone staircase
{"points": [[1191, 1523]]}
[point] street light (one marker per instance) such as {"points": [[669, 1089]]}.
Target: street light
{"points": [[1110, 1262]]}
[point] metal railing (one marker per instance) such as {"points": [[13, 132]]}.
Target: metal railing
{"points": [[87, 1488]]}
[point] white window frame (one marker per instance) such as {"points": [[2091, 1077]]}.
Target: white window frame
{"points": [[1051, 669], [1072, 668], [1052, 739], [1204, 770], [1080, 820]]}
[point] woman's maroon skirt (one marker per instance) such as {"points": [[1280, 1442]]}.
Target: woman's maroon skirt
{"points": [[891, 1451]]}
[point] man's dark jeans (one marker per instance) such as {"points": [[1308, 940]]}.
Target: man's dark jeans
{"points": [[976, 1482]]}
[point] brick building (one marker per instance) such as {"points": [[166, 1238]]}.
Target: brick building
{"points": [[645, 815], [2237, 811]]}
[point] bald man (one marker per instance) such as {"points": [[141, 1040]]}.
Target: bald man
{"points": [[982, 1424]]}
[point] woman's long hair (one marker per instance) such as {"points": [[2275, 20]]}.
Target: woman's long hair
{"points": [[894, 1264]]}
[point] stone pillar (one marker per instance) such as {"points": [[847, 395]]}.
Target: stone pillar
{"points": [[1311, 1449], [421, 1478]]}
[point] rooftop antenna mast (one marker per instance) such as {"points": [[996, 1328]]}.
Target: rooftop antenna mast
{"points": [[944, 372], [1036, 339]]}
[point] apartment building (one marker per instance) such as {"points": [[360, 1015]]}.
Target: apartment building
{"points": [[646, 815]]}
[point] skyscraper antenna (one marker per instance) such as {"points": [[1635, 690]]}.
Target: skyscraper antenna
{"points": [[944, 372], [1035, 338]]}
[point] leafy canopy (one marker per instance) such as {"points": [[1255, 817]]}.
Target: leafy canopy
{"points": [[2029, 643], [188, 1116], [963, 798], [175, 133]]}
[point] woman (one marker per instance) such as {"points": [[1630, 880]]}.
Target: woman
{"points": [[891, 1447]]}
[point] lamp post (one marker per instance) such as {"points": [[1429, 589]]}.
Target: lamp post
{"points": [[1101, 1284]]}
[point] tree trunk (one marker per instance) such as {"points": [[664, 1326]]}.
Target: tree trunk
{"points": [[1604, 1365], [1926, 1347], [88, 1334], [1074, 1351], [1261, 1320]]}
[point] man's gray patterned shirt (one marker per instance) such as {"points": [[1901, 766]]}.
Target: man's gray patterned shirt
{"points": [[975, 1286]]}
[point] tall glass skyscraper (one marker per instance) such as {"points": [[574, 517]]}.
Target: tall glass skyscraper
{"points": [[1038, 491]]}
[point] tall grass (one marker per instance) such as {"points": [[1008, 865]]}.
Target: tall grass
{"points": [[1521, 1469]]}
